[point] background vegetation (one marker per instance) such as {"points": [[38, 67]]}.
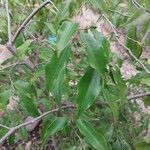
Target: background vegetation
{"points": [[61, 87]]}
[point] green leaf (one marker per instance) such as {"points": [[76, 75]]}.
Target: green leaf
{"points": [[107, 130], [142, 145], [67, 31], [28, 104], [112, 101], [54, 73], [52, 128], [131, 41], [51, 27], [97, 55], [38, 73], [63, 12], [4, 98], [120, 88], [88, 90], [102, 41], [147, 101], [21, 50], [3, 131], [25, 87], [92, 136], [100, 4]]}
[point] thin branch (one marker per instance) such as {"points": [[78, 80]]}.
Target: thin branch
{"points": [[137, 5], [8, 21], [120, 13], [14, 129], [3, 126], [129, 50], [10, 46], [26, 21], [138, 96]]}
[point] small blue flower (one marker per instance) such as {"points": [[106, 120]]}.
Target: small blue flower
{"points": [[52, 39]]}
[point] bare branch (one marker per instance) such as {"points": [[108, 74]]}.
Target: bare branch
{"points": [[14, 129], [129, 51], [8, 21], [138, 96], [26, 21]]}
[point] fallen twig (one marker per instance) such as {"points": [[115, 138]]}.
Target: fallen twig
{"points": [[13, 129]]}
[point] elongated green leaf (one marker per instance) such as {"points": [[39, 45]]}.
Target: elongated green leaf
{"points": [[67, 31], [92, 136], [28, 104], [25, 87], [131, 42], [52, 128], [63, 12], [4, 98], [97, 55], [120, 87], [51, 71], [54, 73], [88, 90], [112, 101], [102, 41]]}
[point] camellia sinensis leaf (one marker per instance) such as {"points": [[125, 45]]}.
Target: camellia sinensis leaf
{"points": [[88, 90], [94, 138], [51, 128], [97, 55], [55, 73]]}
